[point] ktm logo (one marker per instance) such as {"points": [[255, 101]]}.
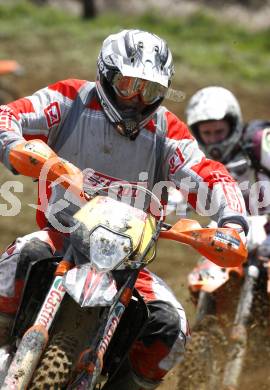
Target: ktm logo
{"points": [[52, 113]]}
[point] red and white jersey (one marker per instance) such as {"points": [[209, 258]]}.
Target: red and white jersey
{"points": [[68, 116]]}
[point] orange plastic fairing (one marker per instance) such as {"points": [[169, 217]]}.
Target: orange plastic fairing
{"points": [[63, 267], [36, 159], [9, 66], [223, 246]]}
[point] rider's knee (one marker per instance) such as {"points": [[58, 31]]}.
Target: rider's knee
{"points": [[32, 251], [165, 323], [161, 346], [14, 263]]}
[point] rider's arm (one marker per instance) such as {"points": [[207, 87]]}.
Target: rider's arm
{"points": [[207, 185], [35, 116]]}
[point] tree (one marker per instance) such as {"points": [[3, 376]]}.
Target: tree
{"points": [[40, 2], [89, 9]]}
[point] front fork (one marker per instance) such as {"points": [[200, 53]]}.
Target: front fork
{"points": [[238, 335], [91, 361], [35, 338], [205, 306]]}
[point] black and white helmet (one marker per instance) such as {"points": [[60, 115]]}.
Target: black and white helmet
{"points": [[133, 62], [215, 103]]}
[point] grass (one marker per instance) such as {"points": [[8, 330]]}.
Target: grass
{"points": [[202, 46]]}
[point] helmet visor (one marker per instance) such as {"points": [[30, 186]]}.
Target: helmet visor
{"points": [[128, 87]]}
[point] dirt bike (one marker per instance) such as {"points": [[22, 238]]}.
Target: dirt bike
{"points": [[8, 93], [225, 300], [80, 314]]}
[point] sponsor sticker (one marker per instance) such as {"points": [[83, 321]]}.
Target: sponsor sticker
{"points": [[176, 161], [227, 239], [52, 113], [51, 303], [6, 118], [38, 149]]}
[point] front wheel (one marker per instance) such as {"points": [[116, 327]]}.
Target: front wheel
{"points": [[206, 306], [55, 368]]}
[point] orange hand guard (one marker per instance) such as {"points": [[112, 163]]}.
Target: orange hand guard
{"points": [[36, 159], [9, 66], [223, 246]]}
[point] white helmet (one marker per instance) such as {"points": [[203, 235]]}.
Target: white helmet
{"points": [[215, 103], [133, 62]]}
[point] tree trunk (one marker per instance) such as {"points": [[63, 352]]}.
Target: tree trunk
{"points": [[89, 9]]}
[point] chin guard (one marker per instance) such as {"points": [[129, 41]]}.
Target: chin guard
{"points": [[128, 131]]}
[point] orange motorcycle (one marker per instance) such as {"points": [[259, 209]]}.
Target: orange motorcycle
{"points": [[90, 292], [229, 303]]}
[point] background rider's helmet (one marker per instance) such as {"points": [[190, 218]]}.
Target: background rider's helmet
{"points": [[215, 103], [133, 63]]}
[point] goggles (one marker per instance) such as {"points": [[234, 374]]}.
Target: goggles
{"points": [[128, 87]]}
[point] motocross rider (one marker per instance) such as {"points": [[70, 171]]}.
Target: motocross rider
{"points": [[215, 119], [112, 126]]}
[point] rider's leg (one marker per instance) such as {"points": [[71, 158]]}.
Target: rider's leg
{"points": [[161, 346], [13, 267], [163, 341]]}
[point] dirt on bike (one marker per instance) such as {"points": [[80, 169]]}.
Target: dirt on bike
{"points": [[231, 327], [80, 314]]}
